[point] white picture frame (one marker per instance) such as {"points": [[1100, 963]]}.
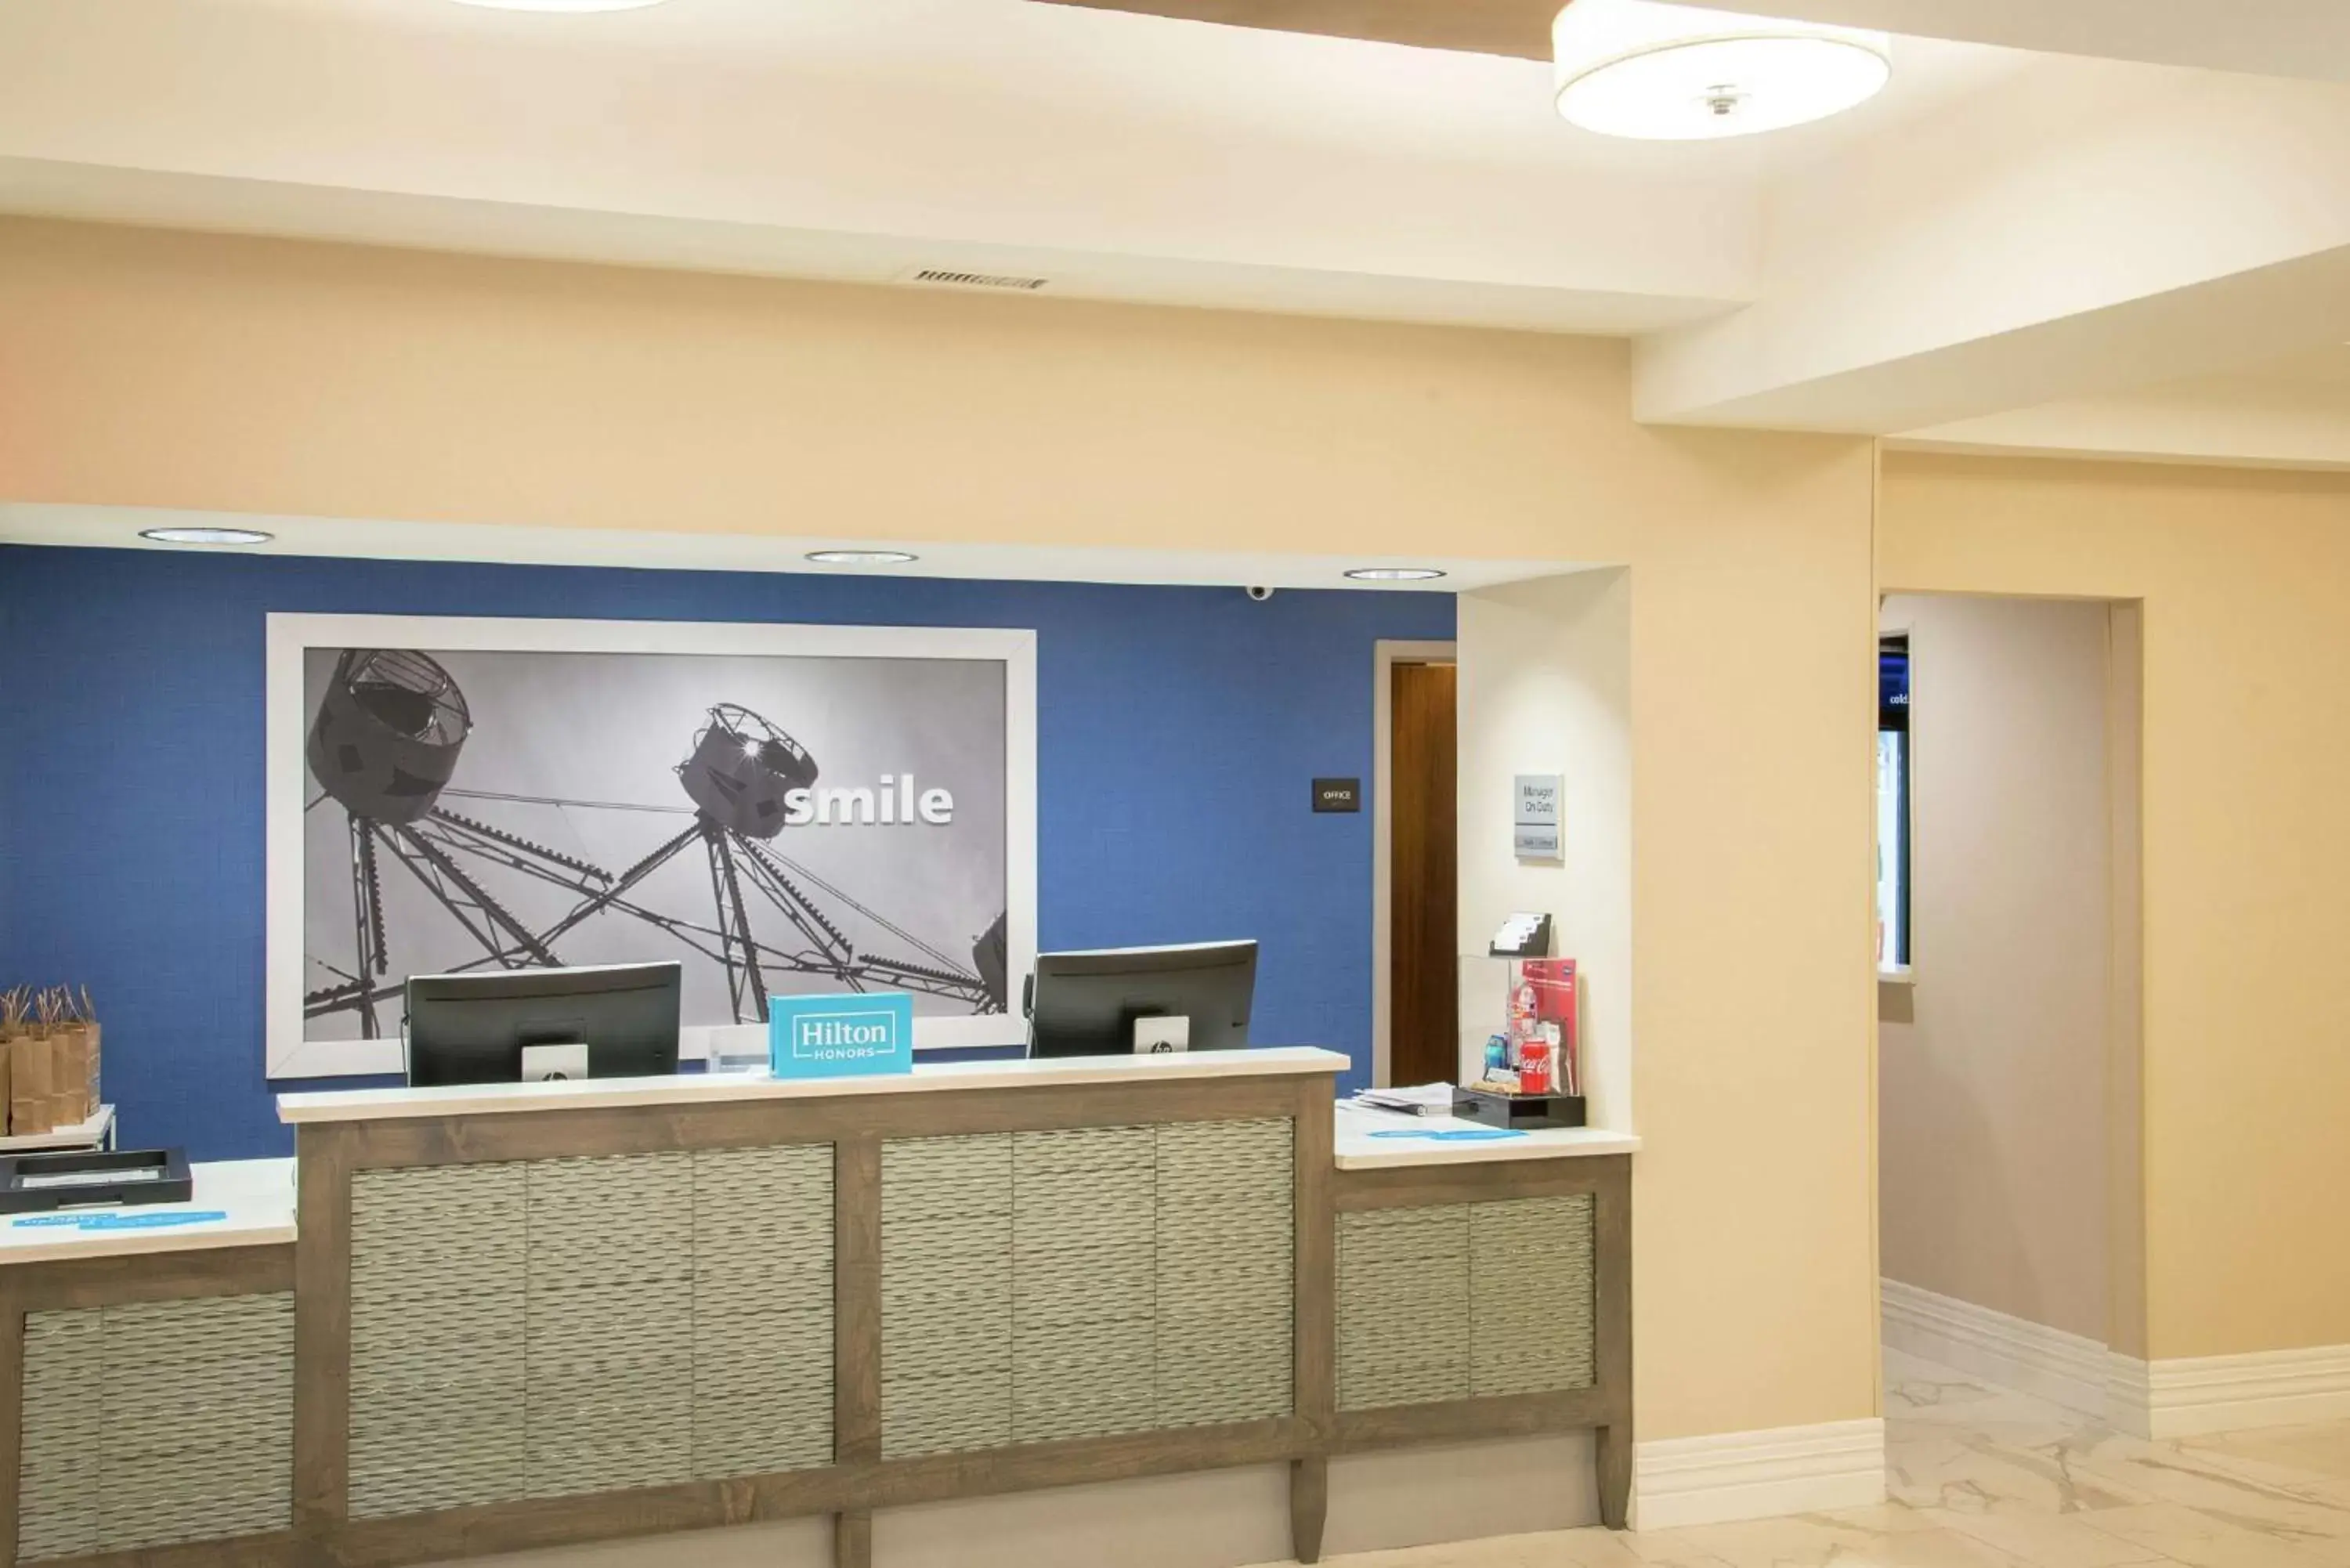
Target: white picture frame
{"points": [[290, 637]]}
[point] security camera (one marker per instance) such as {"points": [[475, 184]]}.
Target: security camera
{"points": [[1260, 595]]}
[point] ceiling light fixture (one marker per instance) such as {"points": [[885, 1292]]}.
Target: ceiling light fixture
{"points": [[1395, 574], [575, 7], [206, 536], [862, 557], [1674, 73]]}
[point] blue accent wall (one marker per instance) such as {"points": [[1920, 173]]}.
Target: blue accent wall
{"points": [[1179, 732]]}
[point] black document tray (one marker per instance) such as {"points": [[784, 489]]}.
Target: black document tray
{"points": [[30, 1183]]}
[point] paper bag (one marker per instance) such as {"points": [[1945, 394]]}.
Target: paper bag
{"points": [[73, 1085], [31, 1083]]}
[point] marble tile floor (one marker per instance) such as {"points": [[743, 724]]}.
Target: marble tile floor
{"points": [[1981, 1477]]}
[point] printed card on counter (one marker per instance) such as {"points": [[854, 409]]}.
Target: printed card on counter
{"points": [[840, 1036]]}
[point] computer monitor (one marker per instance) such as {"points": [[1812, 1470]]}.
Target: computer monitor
{"points": [[618, 1020], [1091, 1003]]}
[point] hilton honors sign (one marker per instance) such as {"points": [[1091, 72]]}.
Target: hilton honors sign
{"points": [[839, 1037]]}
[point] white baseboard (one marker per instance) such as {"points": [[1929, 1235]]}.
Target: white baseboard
{"points": [[2064, 1369], [1757, 1475], [2184, 1396], [2178, 1397]]}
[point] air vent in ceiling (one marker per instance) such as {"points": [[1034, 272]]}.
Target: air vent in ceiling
{"points": [[940, 277]]}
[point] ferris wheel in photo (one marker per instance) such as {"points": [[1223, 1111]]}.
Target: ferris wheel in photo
{"points": [[385, 746]]}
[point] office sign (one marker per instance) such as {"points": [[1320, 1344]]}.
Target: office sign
{"points": [[1537, 800], [1338, 794], [1534, 820], [840, 1036]]}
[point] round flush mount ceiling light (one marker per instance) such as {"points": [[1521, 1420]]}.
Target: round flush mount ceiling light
{"points": [[1674, 73], [206, 536], [1395, 574], [862, 557], [572, 7]]}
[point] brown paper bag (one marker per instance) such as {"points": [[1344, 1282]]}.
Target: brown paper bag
{"points": [[32, 1081], [53, 1104], [15, 1018], [73, 1058], [92, 1094]]}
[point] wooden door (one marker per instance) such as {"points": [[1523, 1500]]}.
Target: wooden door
{"points": [[1424, 974]]}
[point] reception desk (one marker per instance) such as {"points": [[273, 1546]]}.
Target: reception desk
{"points": [[527, 1315]]}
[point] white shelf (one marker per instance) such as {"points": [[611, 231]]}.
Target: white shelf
{"points": [[91, 1133]]}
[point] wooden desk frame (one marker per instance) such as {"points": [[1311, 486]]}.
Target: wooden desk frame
{"points": [[860, 1481]]}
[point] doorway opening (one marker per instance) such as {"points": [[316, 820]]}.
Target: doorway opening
{"points": [[1416, 972], [2010, 1188]]}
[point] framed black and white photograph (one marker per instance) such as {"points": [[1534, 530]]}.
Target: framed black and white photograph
{"points": [[781, 809]]}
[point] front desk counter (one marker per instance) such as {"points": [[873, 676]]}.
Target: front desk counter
{"points": [[488, 1319]]}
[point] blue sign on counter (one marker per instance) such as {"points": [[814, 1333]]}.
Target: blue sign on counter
{"points": [[118, 1219], [838, 1036]]}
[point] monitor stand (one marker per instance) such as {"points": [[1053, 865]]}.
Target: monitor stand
{"points": [[555, 1062], [1162, 1036]]}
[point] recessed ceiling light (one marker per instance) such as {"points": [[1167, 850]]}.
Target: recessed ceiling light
{"points": [[206, 536], [861, 557], [1395, 574], [571, 6], [1675, 73]]}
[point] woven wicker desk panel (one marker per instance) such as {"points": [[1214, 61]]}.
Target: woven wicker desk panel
{"points": [[565, 1326], [1226, 1273], [440, 1263], [1038, 1286], [946, 1294], [155, 1423], [1530, 1295], [1082, 1233], [58, 1479], [1403, 1306], [1464, 1301], [762, 1310], [609, 1341]]}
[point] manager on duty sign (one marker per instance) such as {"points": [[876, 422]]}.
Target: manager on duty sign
{"points": [[1536, 822], [840, 1036]]}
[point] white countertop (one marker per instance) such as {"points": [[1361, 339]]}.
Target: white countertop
{"points": [[703, 1088], [1382, 1140], [253, 1200]]}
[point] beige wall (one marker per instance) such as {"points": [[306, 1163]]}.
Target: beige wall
{"points": [[2246, 850], [246, 375], [1992, 1089]]}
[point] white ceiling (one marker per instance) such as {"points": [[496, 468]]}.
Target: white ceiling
{"points": [[2009, 247], [1122, 156]]}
